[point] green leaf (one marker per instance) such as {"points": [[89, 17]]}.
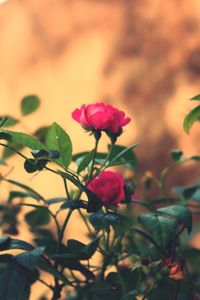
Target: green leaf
{"points": [[44, 154], [41, 133], [32, 192], [29, 104], [6, 243], [121, 155], [195, 157], [197, 97], [45, 233], [193, 116], [58, 140], [74, 264], [18, 194], [73, 204], [33, 165], [47, 267], [101, 221], [25, 140], [100, 156], [38, 217], [55, 200], [181, 213], [7, 153], [103, 290], [94, 202], [29, 259], [50, 245], [85, 161], [12, 282], [162, 229], [186, 192], [10, 121], [81, 250]]}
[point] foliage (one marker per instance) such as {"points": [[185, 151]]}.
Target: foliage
{"points": [[128, 255]]}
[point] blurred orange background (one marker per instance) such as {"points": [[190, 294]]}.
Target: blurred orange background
{"points": [[142, 56]]}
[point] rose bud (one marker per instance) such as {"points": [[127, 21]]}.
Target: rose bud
{"points": [[109, 187], [174, 271]]}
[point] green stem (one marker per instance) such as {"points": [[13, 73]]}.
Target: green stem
{"points": [[121, 279], [139, 278], [85, 222], [62, 231], [93, 159], [66, 188], [14, 150], [148, 291], [103, 166]]}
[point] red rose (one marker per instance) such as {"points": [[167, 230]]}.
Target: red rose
{"points": [[109, 186], [100, 116]]}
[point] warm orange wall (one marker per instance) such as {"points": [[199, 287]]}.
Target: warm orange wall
{"points": [[142, 56]]}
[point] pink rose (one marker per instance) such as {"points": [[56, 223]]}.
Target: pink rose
{"points": [[109, 186], [100, 116]]}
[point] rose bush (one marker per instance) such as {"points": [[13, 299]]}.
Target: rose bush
{"points": [[138, 250]]}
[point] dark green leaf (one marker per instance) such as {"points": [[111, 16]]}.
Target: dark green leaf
{"points": [[38, 217], [6, 243], [33, 165], [50, 246], [73, 204], [101, 221], [195, 157], [58, 140], [162, 229], [5, 136], [81, 250], [29, 259], [181, 213], [176, 154], [74, 264], [193, 116], [103, 290], [94, 202], [29, 104], [45, 154], [186, 192], [47, 267], [12, 282], [43, 233]]}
